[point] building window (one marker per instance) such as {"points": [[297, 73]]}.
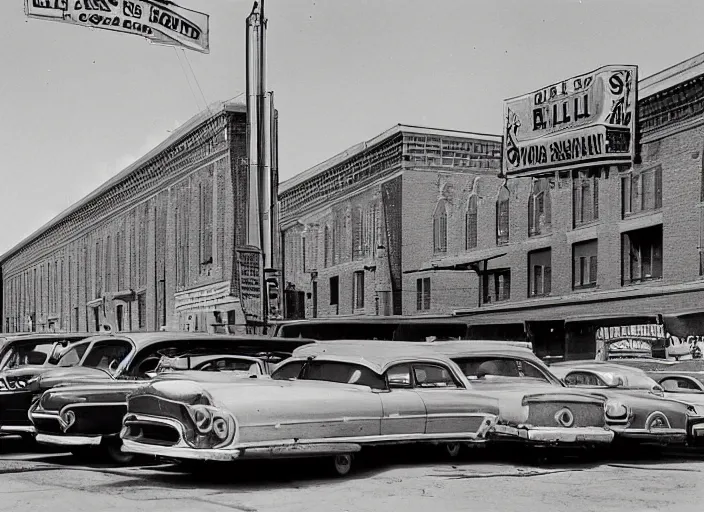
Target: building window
{"points": [[108, 264], [471, 223], [121, 256], [496, 286], [205, 198], [539, 207], [585, 197], [358, 291], [642, 255], [142, 310], [423, 294], [502, 216], [440, 227], [326, 246], [357, 234], [584, 264], [641, 191], [143, 247], [539, 272], [334, 291]]}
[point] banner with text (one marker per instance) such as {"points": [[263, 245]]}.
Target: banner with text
{"points": [[586, 120], [160, 21]]}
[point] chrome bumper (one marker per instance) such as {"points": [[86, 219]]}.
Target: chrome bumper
{"points": [[19, 429], [556, 434], [69, 440], [660, 435], [230, 454]]}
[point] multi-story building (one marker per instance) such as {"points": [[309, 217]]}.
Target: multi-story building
{"points": [[353, 225], [152, 248], [561, 257], [573, 251]]}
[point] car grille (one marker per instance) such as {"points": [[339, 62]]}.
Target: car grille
{"points": [[152, 433], [565, 414]]}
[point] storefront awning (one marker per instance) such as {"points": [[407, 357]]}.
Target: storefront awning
{"points": [[687, 323], [614, 320], [455, 264]]}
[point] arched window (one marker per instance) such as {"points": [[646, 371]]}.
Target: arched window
{"points": [[326, 246], [502, 216], [539, 208], [440, 227], [471, 223]]}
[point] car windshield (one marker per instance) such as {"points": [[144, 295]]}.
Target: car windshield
{"points": [[107, 355], [330, 371], [19, 354], [72, 356], [228, 364], [476, 368]]}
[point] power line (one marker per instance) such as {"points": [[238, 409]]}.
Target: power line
{"points": [[185, 74], [188, 61]]}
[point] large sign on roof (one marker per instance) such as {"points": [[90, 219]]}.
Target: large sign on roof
{"points": [[160, 21], [583, 121]]}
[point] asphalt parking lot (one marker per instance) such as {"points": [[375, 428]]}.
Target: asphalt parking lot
{"points": [[392, 479]]}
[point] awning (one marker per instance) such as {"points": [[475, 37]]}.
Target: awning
{"points": [[687, 323], [455, 264], [614, 320]]}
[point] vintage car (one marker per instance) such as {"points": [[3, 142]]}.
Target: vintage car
{"points": [[534, 407], [84, 410], [318, 406], [24, 357], [651, 416], [688, 387]]}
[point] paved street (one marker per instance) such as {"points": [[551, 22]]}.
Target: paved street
{"points": [[31, 480]]}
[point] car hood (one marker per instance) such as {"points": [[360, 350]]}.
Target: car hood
{"points": [[643, 400], [74, 374], [26, 371]]}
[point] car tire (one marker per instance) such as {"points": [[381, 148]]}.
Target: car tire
{"points": [[113, 450], [342, 464]]}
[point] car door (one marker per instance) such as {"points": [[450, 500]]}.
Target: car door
{"points": [[450, 408], [403, 409]]}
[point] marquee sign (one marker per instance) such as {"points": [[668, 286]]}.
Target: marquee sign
{"points": [[159, 21], [583, 121], [627, 341]]}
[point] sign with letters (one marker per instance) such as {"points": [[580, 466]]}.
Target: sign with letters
{"points": [[627, 341], [583, 121], [250, 267], [159, 21]]}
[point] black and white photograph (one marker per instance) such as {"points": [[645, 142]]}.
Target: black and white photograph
{"points": [[351, 255]]}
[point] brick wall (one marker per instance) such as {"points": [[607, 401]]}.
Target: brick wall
{"points": [[58, 277]]}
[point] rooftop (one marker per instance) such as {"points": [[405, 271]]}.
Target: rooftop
{"points": [[672, 76], [213, 110], [363, 146]]}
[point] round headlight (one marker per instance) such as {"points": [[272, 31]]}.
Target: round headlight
{"points": [[220, 428], [615, 410], [203, 419]]}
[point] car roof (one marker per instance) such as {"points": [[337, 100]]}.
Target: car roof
{"points": [[377, 355], [599, 367], [46, 336], [143, 340]]}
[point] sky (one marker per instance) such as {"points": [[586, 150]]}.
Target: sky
{"points": [[79, 105]]}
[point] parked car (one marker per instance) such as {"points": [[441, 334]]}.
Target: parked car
{"points": [[651, 416], [312, 406], [533, 405], [688, 387], [83, 408], [23, 357]]}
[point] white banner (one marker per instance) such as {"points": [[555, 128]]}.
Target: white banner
{"points": [[160, 21]]}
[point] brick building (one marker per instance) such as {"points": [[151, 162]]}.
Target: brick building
{"points": [[570, 252], [352, 225], [151, 248]]}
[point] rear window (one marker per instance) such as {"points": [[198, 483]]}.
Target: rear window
{"points": [[331, 371], [483, 367]]}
